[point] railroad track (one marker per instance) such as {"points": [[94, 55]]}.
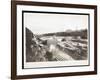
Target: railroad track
{"points": [[62, 56]]}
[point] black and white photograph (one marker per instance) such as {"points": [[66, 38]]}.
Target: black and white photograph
{"points": [[52, 36]]}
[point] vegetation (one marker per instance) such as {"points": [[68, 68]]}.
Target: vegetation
{"points": [[81, 33]]}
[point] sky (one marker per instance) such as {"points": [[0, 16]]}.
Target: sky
{"points": [[41, 23]]}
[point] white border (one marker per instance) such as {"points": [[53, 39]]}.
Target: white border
{"points": [[21, 71]]}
